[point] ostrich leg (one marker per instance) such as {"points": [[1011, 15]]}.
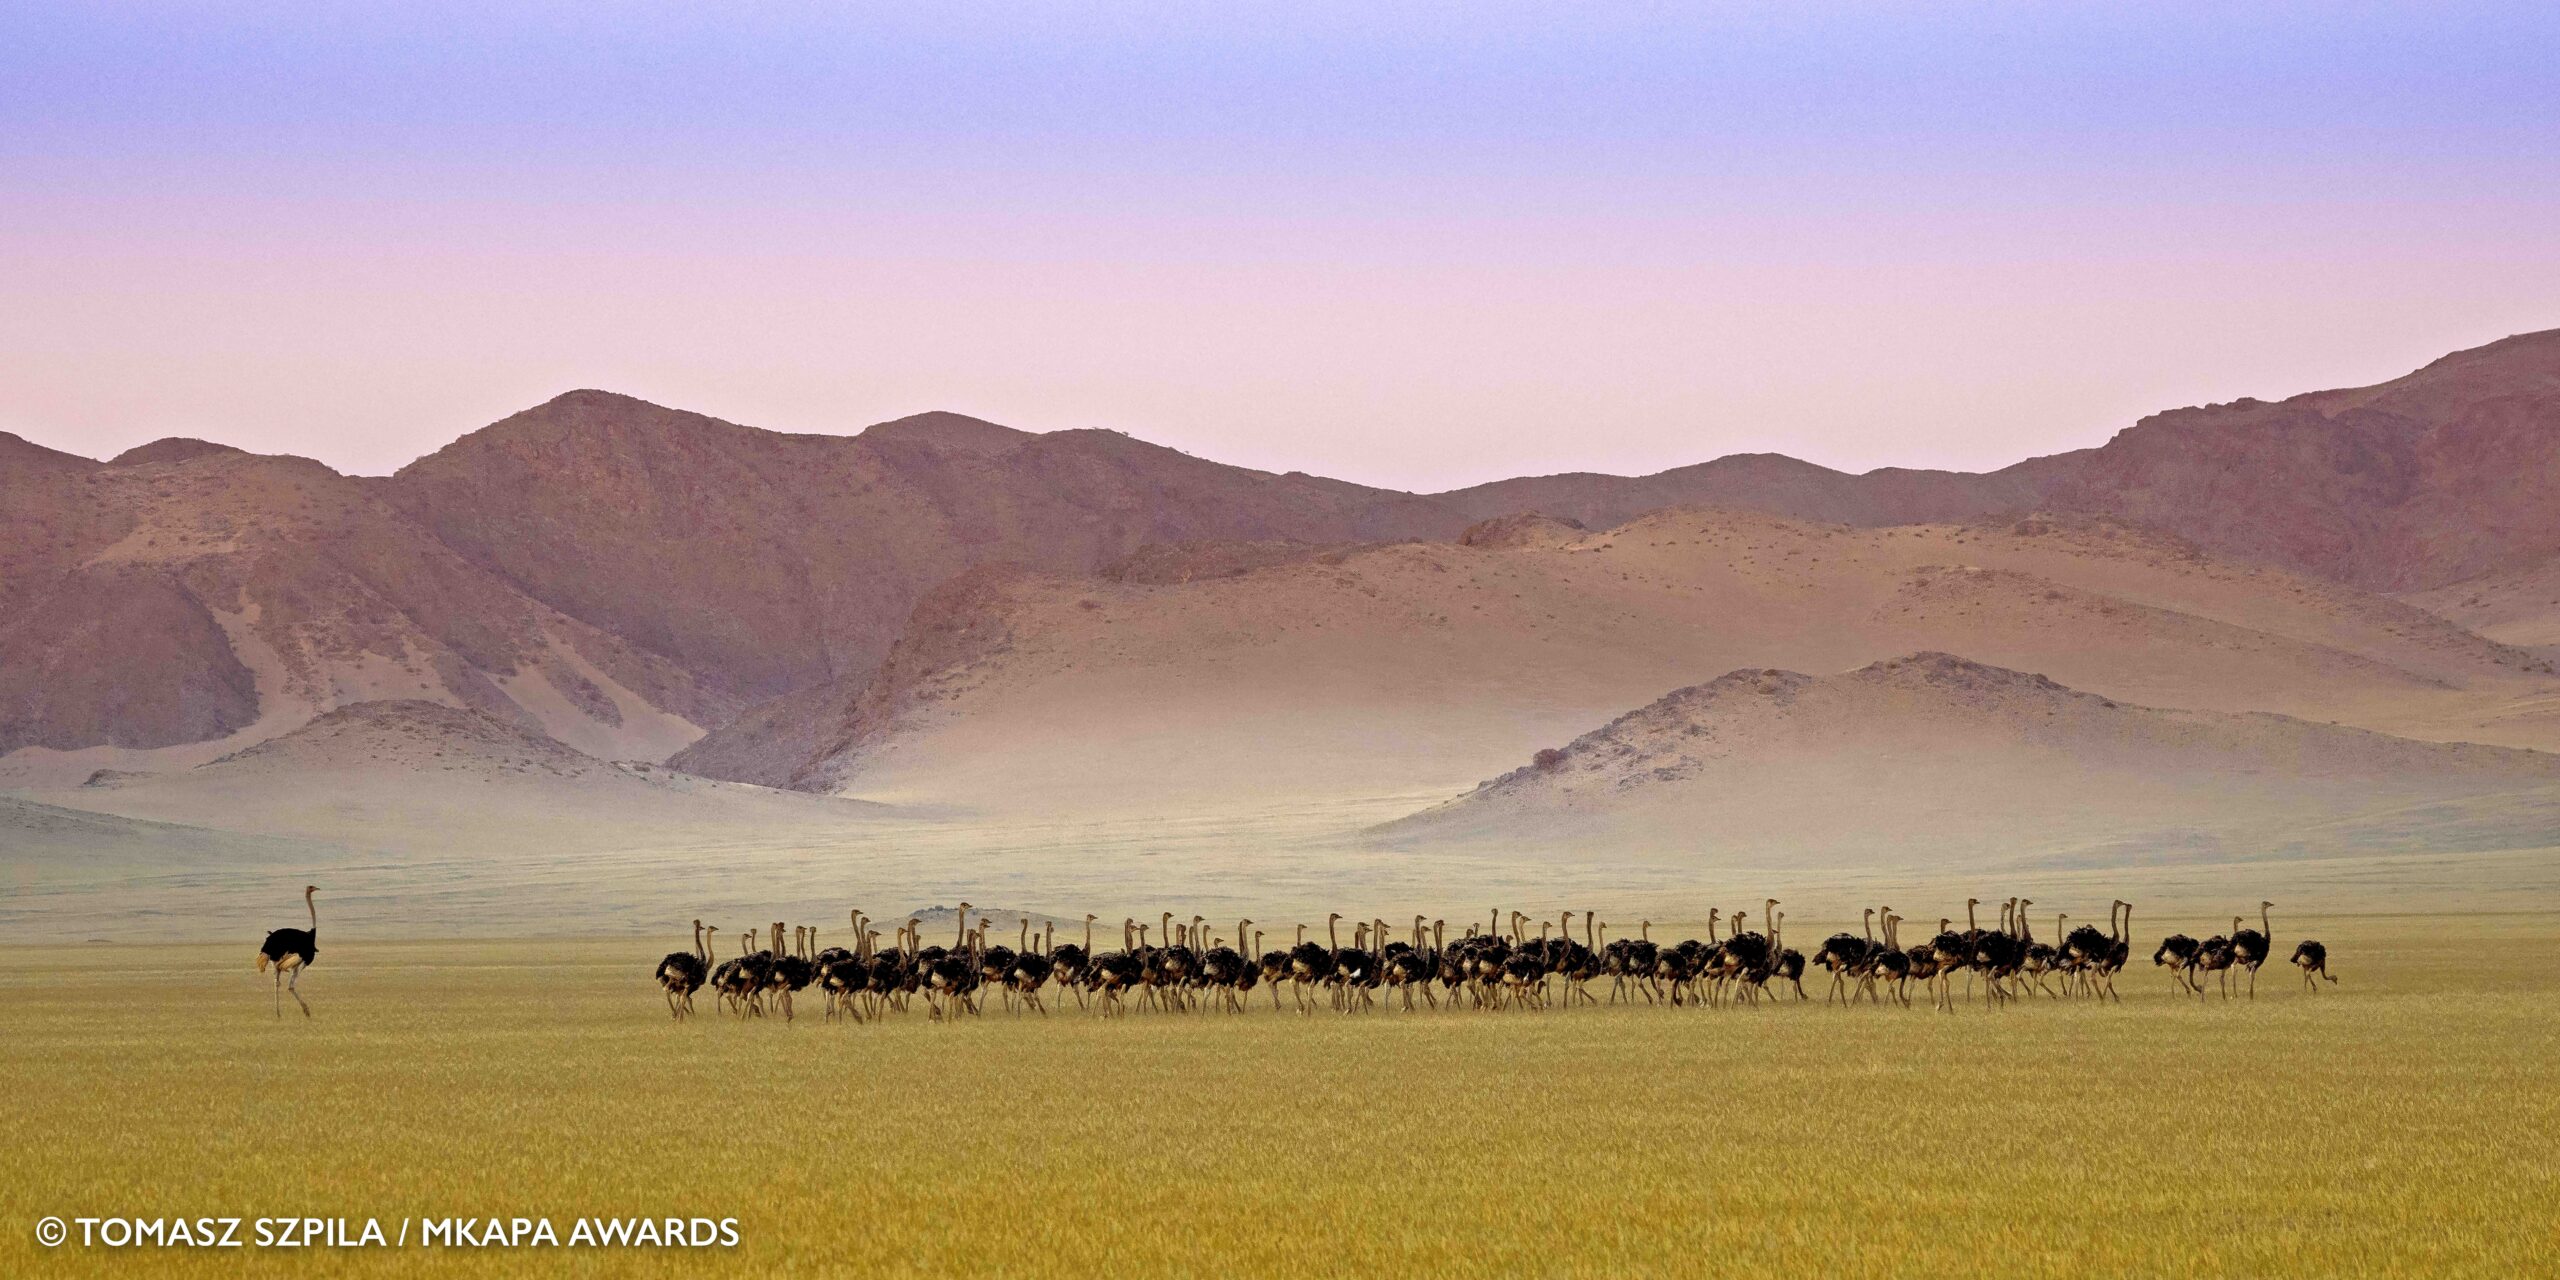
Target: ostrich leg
{"points": [[292, 988]]}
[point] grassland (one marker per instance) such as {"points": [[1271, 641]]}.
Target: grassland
{"points": [[2403, 1122]]}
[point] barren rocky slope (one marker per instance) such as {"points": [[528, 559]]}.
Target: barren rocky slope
{"points": [[764, 562], [1932, 755], [202, 595]]}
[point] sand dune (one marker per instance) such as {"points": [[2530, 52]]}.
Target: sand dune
{"points": [[1932, 758]]}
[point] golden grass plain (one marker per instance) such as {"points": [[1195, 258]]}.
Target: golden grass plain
{"points": [[2403, 1122]]}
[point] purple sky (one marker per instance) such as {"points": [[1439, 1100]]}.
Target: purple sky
{"points": [[1421, 249]]}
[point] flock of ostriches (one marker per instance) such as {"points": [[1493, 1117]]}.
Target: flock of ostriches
{"points": [[1173, 966]]}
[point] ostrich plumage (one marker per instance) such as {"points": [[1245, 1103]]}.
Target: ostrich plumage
{"points": [[682, 973], [2312, 958], [291, 951], [2249, 947]]}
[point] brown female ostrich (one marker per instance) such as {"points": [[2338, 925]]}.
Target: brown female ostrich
{"points": [[2215, 956], [292, 949], [2312, 958]]}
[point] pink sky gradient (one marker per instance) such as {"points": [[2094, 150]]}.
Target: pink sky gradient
{"points": [[1609, 281]]}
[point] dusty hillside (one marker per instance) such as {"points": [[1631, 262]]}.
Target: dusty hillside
{"points": [[417, 776], [764, 562], [2426, 479], [2519, 606], [1933, 756], [207, 596], [1372, 670], [624, 575]]}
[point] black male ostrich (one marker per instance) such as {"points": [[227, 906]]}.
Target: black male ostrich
{"points": [[1030, 971], [1311, 965], [1068, 962], [792, 969], [2311, 958], [1118, 972], [1888, 963], [292, 949], [682, 973], [2249, 947], [951, 976], [742, 981], [1844, 954], [1950, 951], [1789, 962], [2087, 947]]}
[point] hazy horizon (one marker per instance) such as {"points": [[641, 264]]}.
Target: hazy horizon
{"points": [[1420, 249]]}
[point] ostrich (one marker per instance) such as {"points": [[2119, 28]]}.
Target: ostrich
{"points": [[2215, 956], [681, 974], [2249, 947], [2119, 947], [995, 964], [832, 954], [1846, 953], [1030, 971], [741, 980], [1406, 968], [1117, 971], [951, 975], [2042, 958], [1311, 965], [1891, 964], [2311, 958], [1274, 966], [2086, 948], [1068, 962], [1949, 951], [1790, 962], [1999, 953], [721, 972], [791, 970], [2178, 955], [845, 975], [292, 949]]}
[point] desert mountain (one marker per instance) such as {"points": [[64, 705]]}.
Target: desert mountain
{"points": [[1932, 756], [2436, 476], [1421, 666], [763, 562], [208, 596], [622, 576]]}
